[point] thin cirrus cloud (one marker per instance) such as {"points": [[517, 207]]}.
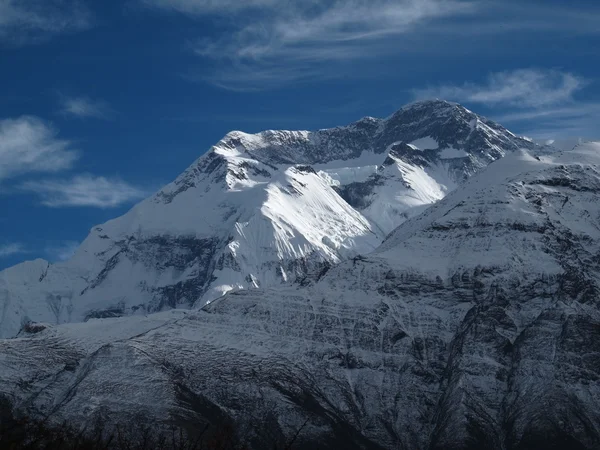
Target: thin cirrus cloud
{"points": [[29, 144], [11, 249], [24, 21], [572, 120], [84, 190], [274, 42], [542, 101], [267, 44], [85, 107], [524, 88]]}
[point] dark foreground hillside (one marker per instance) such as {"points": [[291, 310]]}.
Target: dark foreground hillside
{"points": [[23, 433]]}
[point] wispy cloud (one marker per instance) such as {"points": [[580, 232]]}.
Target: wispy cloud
{"points": [[541, 103], [28, 144], [572, 111], [263, 44], [497, 17], [292, 40], [85, 107], [85, 190], [11, 249], [61, 251], [22, 21], [573, 120], [525, 88]]}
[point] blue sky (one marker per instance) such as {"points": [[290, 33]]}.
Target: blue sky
{"points": [[102, 102]]}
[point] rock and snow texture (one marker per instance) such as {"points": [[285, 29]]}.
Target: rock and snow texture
{"points": [[257, 211], [474, 325]]}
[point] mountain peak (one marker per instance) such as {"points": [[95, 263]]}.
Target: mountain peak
{"points": [[450, 124], [432, 103], [262, 209]]}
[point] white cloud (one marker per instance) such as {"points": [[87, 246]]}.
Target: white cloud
{"points": [[291, 40], [576, 111], [526, 88], [85, 190], [540, 103], [25, 20], [28, 144], [568, 121], [85, 107], [263, 44], [62, 251], [11, 249]]}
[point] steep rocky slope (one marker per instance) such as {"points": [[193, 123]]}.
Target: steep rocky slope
{"points": [[258, 211], [474, 325]]}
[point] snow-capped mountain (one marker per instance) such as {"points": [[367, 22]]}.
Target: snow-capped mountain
{"points": [[257, 211], [474, 325]]}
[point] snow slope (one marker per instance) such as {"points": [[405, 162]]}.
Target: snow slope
{"points": [[474, 325], [258, 211]]}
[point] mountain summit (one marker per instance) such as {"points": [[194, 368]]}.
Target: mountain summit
{"points": [[260, 210]]}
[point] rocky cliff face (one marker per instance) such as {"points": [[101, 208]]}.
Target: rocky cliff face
{"points": [[474, 325], [259, 211]]}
